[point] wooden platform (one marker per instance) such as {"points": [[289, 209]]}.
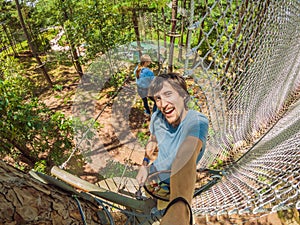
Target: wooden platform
{"points": [[123, 185]]}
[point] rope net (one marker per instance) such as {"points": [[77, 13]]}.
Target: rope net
{"points": [[250, 79], [242, 63]]}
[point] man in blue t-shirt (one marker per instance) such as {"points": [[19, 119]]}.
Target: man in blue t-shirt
{"points": [[180, 135]]}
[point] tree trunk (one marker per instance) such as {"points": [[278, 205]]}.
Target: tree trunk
{"points": [[9, 38], [31, 46], [74, 55], [159, 56], [200, 36], [24, 200], [165, 35], [136, 31], [181, 40], [26, 154], [172, 34]]}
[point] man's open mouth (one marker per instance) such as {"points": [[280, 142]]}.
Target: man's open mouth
{"points": [[169, 111]]}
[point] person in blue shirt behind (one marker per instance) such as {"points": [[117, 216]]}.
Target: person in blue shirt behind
{"points": [[144, 76], [180, 136]]}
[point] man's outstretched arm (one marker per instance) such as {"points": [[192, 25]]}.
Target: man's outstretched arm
{"points": [[182, 183]]}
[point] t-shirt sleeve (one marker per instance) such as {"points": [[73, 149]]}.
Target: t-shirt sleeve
{"points": [[198, 127]]}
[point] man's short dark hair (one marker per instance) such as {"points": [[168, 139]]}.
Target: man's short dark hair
{"points": [[174, 79]]}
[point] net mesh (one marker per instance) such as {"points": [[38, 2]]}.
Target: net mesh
{"points": [[252, 100]]}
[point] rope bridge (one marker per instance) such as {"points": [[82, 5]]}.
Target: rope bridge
{"points": [[242, 63]]}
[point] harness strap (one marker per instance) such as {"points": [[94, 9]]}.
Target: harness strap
{"points": [[180, 199]]}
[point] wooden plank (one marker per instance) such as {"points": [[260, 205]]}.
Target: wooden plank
{"points": [[142, 206], [119, 183]]}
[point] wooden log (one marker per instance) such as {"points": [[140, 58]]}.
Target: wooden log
{"points": [[144, 206]]}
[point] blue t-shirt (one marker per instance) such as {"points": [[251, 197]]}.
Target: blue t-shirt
{"points": [[169, 138], [144, 80]]}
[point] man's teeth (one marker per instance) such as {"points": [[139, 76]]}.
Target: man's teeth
{"points": [[169, 110]]}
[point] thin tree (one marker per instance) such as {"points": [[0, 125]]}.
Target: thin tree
{"points": [[31, 45], [75, 56], [181, 40], [9, 38], [172, 34], [164, 19], [135, 22]]}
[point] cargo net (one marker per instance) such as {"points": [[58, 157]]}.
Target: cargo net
{"points": [[249, 77]]}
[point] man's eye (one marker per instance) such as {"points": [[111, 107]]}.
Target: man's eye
{"points": [[169, 93], [157, 99]]}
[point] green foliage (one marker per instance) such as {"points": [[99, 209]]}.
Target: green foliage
{"points": [[142, 138], [27, 127], [40, 166], [217, 165], [100, 27], [19, 166], [117, 169], [117, 80], [193, 104], [9, 23], [57, 87], [262, 178]]}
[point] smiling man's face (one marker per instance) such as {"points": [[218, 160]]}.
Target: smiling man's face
{"points": [[171, 104]]}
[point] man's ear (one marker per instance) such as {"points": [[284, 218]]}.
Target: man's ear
{"points": [[187, 98]]}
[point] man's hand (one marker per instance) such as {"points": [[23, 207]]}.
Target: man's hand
{"points": [[142, 175]]}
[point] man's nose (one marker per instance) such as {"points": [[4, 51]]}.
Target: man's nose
{"points": [[164, 102]]}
